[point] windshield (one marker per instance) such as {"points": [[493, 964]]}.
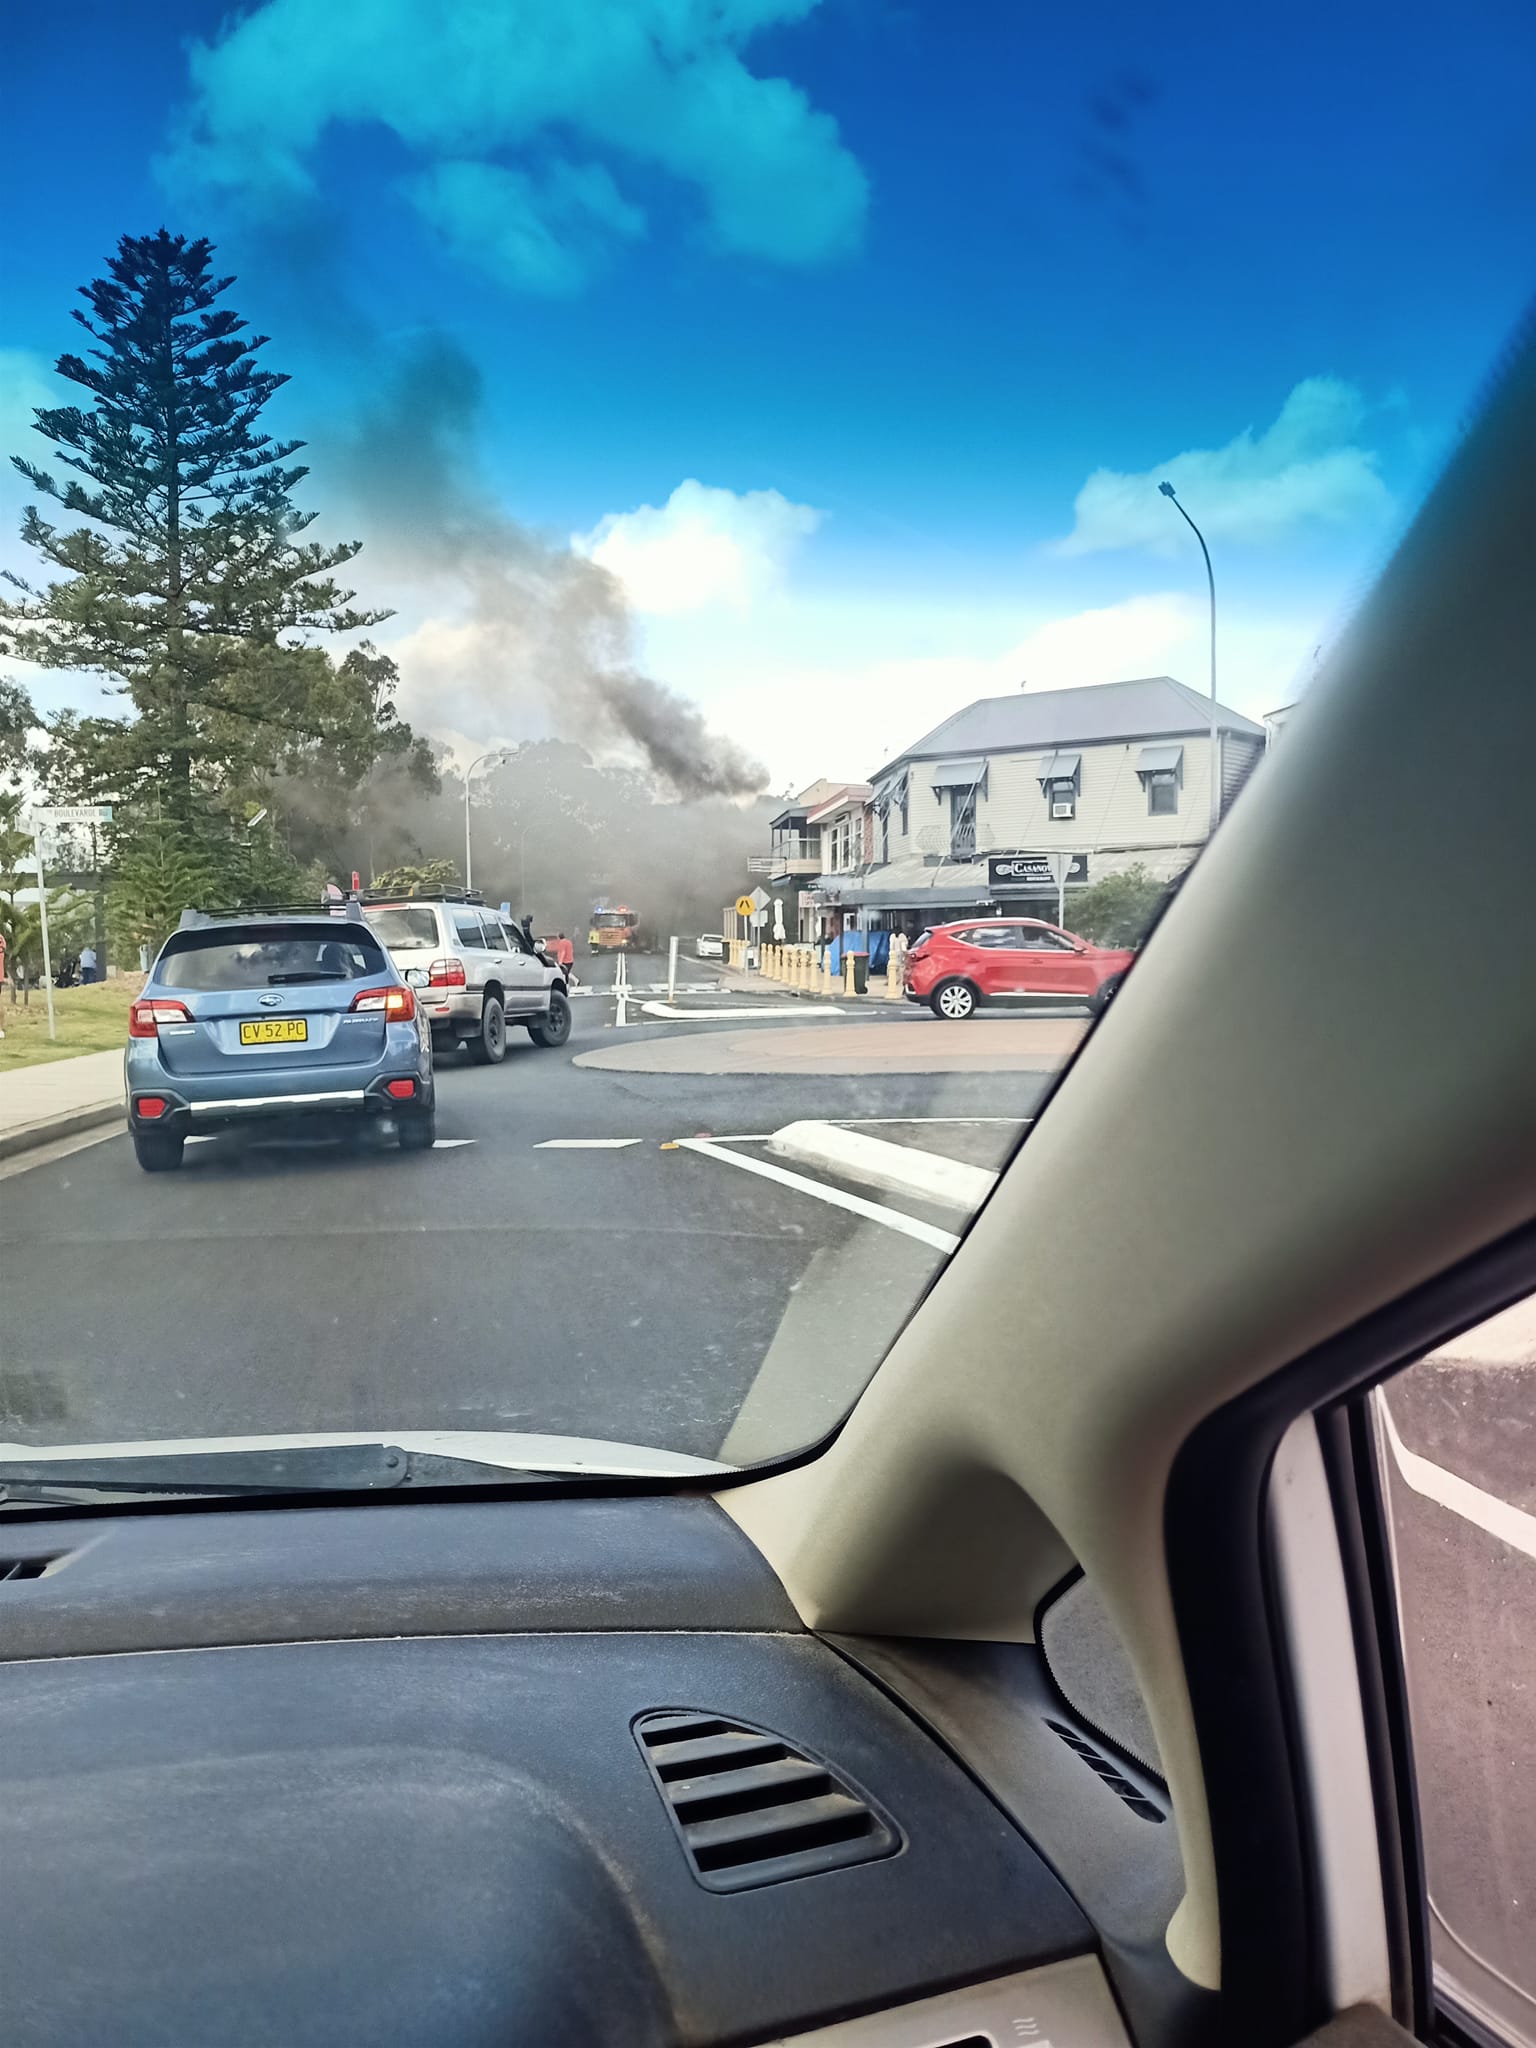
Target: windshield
{"points": [[821, 509]]}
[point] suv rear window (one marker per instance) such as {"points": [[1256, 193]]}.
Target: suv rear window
{"points": [[412, 924], [270, 956]]}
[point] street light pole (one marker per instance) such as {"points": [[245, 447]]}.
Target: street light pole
{"points": [[1168, 492], [468, 772]]}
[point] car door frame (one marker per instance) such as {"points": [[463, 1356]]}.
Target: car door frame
{"points": [[1222, 1577], [523, 977]]}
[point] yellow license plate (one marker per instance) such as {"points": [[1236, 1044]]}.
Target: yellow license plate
{"points": [[275, 1031]]}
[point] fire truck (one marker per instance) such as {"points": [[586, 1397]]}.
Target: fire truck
{"points": [[614, 929]]}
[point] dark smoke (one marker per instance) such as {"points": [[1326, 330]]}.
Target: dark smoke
{"points": [[551, 630]]}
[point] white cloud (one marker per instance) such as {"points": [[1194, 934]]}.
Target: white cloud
{"points": [[1307, 468], [705, 546], [548, 235], [661, 85], [848, 715]]}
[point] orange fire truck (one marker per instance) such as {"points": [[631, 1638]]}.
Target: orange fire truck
{"points": [[614, 929]]}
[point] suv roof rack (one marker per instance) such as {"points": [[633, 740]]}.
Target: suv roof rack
{"points": [[196, 919], [416, 894]]}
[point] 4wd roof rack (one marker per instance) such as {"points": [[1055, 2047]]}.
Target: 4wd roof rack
{"points": [[194, 918], [416, 894]]}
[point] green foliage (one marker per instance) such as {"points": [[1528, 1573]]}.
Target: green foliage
{"points": [[193, 567], [17, 721], [424, 879], [1120, 910], [192, 590], [162, 866]]}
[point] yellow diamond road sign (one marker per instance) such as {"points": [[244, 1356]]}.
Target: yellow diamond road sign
{"points": [[745, 906]]}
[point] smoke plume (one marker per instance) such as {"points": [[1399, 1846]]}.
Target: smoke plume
{"points": [[536, 627]]}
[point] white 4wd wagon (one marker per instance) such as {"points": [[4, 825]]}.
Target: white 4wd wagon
{"points": [[474, 973]]}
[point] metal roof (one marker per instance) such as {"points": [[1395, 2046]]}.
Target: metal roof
{"points": [[1149, 707]]}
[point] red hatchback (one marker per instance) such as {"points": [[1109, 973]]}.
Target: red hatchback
{"points": [[955, 968]]}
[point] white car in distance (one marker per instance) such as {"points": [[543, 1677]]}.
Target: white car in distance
{"points": [[710, 946]]}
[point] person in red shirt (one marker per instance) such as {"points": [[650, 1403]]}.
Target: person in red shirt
{"points": [[564, 952]]}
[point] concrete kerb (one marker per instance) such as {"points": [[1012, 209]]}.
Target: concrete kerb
{"points": [[58, 1099], [68, 1124], [876, 1163]]}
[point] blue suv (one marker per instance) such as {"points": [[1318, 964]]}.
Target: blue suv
{"points": [[274, 1014]]}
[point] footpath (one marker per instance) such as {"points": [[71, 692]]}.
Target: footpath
{"points": [[58, 1098]]}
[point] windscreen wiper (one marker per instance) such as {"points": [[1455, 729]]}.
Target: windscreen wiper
{"points": [[308, 1468]]}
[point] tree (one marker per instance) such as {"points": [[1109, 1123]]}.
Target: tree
{"points": [[190, 585], [18, 721], [1120, 910]]}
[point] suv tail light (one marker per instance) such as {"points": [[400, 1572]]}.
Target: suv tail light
{"points": [[446, 974], [397, 1004], [147, 1015]]}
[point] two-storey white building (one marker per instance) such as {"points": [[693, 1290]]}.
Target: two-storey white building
{"points": [[1111, 775]]}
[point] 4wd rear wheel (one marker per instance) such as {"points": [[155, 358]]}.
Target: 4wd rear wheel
{"points": [[158, 1151], [953, 1000], [554, 1029], [489, 1047]]}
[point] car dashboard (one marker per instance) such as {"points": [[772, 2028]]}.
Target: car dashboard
{"points": [[539, 1770]]}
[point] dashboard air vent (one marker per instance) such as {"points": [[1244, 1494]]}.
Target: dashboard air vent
{"points": [[1114, 1778], [23, 1567], [750, 1809]]}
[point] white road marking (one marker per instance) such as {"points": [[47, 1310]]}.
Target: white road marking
{"points": [[669, 1010], [893, 1219], [452, 1144], [585, 1144], [1486, 1511]]}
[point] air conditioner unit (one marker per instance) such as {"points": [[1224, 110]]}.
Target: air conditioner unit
{"points": [[1064, 810]]}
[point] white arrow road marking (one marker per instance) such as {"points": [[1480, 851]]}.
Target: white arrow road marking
{"points": [[744, 1010], [1485, 1511], [585, 1144], [893, 1219], [452, 1144]]}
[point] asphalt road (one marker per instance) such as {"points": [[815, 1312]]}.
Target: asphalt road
{"points": [[494, 1283]]}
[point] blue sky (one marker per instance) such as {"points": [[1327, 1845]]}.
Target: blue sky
{"points": [[852, 336]]}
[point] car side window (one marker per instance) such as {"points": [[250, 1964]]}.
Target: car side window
{"points": [[468, 932], [993, 937], [1453, 1443], [511, 939]]}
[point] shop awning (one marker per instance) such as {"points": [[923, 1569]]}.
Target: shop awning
{"points": [[1060, 767], [957, 774], [1158, 760], [910, 884]]}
